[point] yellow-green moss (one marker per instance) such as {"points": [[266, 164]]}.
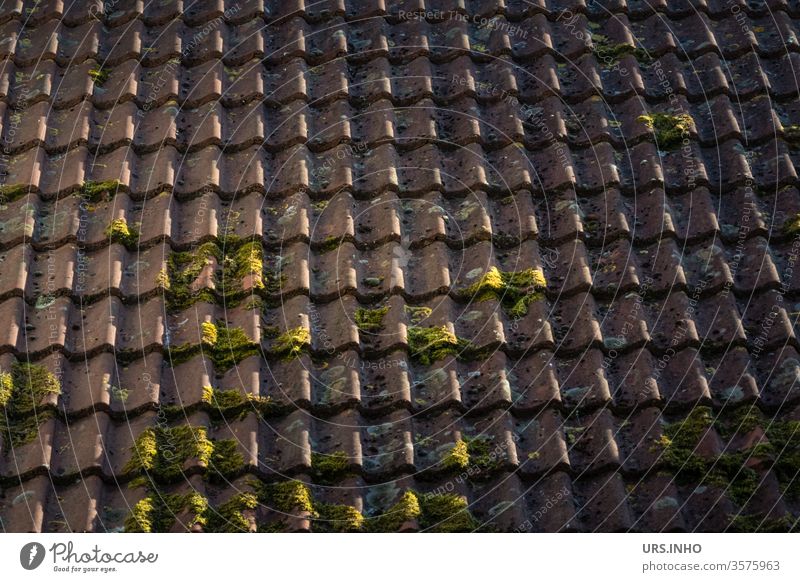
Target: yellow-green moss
{"points": [[226, 460], [292, 343], [286, 496], [728, 470], [162, 452], [515, 290], [792, 225], [429, 344], [758, 524], [669, 130], [11, 192], [157, 513], [229, 517], [96, 191], [329, 468], [6, 387], [457, 457], [330, 243], [610, 53], [119, 231], [22, 394], [417, 315], [792, 134], [337, 518], [232, 402], [99, 75], [227, 345], [182, 271], [247, 260], [236, 260], [445, 513], [406, 509], [370, 319]]}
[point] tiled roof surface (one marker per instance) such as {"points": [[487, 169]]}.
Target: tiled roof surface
{"points": [[378, 266]]}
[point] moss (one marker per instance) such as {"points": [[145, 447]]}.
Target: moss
{"points": [[669, 129], [162, 452], [292, 343], [119, 394], [228, 345], [758, 524], [96, 191], [792, 134], [406, 509], [445, 513], [226, 460], [373, 281], [236, 261], [330, 468], [482, 453], [11, 192], [224, 403], [610, 53], [157, 513], [229, 517], [22, 393], [330, 243], [247, 260], [99, 75], [728, 470], [515, 290], [6, 388], [417, 314], [792, 225], [182, 271], [119, 231], [337, 518], [457, 457], [370, 319], [286, 496], [429, 344]]}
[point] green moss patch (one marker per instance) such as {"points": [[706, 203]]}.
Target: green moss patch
{"points": [[406, 509], [730, 470], [97, 191], [23, 391], [430, 344], [228, 403], [230, 516], [292, 343], [286, 496], [119, 231], [11, 192], [609, 53], [792, 225], [445, 513], [226, 345], [472, 452], [515, 290], [669, 130], [337, 518], [370, 319], [235, 261], [157, 513], [161, 454], [792, 134], [330, 468], [99, 75], [417, 315]]}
